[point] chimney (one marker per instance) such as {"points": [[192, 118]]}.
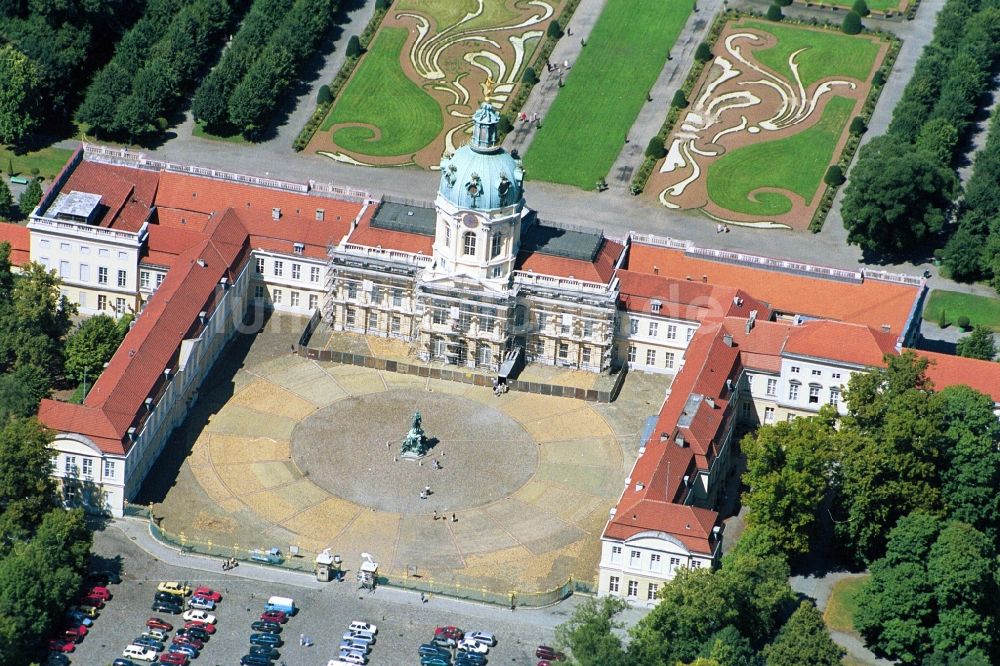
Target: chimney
{"points": [[656, 270], [737, 301], [727, 340], [639, 486], [710, 402], [166, 374], [886, 328], [275, 213], [149, 404], [201, 262], [704, 278], [679, 439], [320, 213], [202, 316], [224, 282], [131, 434]]}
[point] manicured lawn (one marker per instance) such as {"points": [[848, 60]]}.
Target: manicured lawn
{"points": [[405, 118], [843, 604], [48, 161], [980, 310], [449, 12], [827, 53], [200, 132], [585, 128], [796, 163], [873, 5]]}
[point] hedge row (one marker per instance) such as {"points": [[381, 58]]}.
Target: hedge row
{"points": [[154, 66], [331, 91], [211, 99]]}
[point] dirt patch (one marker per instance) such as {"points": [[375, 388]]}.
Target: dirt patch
{"points": [[739, 101], [459, 68]]}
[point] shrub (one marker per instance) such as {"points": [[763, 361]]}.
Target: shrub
{"points": [[382, 5], [34, 171], [324, 96], [943, 319], [505, 125], [703, 53], [963, 323], [851, 24], [860, 7], [834, 176], [774, 13], [161, 123], [529, 77], [858, 126], [353, 49], [783, 3], [554, 31], [679, 100], [655, 149]]}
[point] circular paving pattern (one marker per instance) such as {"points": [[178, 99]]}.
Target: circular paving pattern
{"points": [[485, 454]]}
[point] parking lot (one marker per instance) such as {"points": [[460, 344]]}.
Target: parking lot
{"points": [[403, 621]]}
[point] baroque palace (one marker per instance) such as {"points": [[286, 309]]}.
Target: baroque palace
{"points": [[476, 279]]}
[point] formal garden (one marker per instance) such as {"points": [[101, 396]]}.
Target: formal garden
{"points": [[783, 95], [412, 92], [584, 130]]}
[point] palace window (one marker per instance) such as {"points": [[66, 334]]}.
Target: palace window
{"points": [[650, 357], [88, 467], [616, 554], [159, 279], [668, 361], [496, 245], [295, 299], [122, 278], [144, 279], [631, 353], [795, 369], [563, 351], [633, 326], [613, 582], [396, 323], [314, 274], [834, 396], [352, 290], [814, 394], [793, 391], [772, 387], [258, 291], [655, 563], [671, 332], [276, 295], [634, 558], [372, 320], [696, 564], [313, 301], [102, 302], [655, 306], [654, 328], [279, 268], [109, 469], [397, 297], [768, 415], [102, 275], [674, 563], [119, 306], [349, 318], [260, 266], [69, 465], [586, 355], [296, 271], [633, 588], [84, 273], [588, 328], [651, 591], [690, 334], [469, 243]]}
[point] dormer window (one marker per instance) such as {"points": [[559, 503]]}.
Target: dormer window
{"points": [[299, 248], [655, 306]]}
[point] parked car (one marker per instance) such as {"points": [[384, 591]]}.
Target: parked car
{"points": [[157, 623], [484, 637], [353, 657], [265, 639], [86, 611], [546, 652], [157, 634], [74, 616], [103, 578], [57, 659], [473, 646], [469, 659], [167, 607], [100, 592], [355, 646], [199, 615], [201, 603], [254, 660], [358, 625], [431, 650], [175, 659], [166, 597], [149, 642], [91, 600], [445, 642], [435, 661], [265, 650], [267, 627], [198, 633], [185, 649], [204, 626], [363, 635], [207, 593], [280, 617], [450, 632], [139, 652], [189, 640], [180, 589], [122, 661], [62, 645], [74, 632]]}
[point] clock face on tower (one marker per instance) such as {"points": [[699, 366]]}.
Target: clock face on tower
{"points": [[470, 220]]}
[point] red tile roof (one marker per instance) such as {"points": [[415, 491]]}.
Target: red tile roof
{"points": [[840, 341], [599, 270], [946, 370], [136, 371], [165, 243], [871, 303], [760, 349], [126, 192], [19, 239], [684, 299]]}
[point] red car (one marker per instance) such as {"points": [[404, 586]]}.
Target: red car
{"points": [[174, 659], [546, 653], [207, 593], [61, 645], [75, 634], [188, 640], [204, 626], [274, 616], [99, 592], [454, 633], [157, 623], [91, 600]]}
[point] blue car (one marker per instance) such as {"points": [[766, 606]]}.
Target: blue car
{"points": [[146, 641], [431, 650], [271, 640], [189, 650]]}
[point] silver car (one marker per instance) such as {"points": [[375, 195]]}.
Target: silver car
{"points": [[352, 645]]}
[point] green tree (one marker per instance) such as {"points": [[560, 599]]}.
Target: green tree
{"points": [[774, 13], [703, 53], [656, 149], [729, 647], [554, 31], [858, 126], [324, 96], [92, 345], [804, 640], [896, 199], [978, 344], [529, 77], [21, 390], [30, 197], [353, 49], [834, 176], [860, 7], [18, 115], [787, 468], [938, 138], [6, 199], [964, 255], [972, 473], [26, 487], [679, 100], [851, 24], [589, 633]]}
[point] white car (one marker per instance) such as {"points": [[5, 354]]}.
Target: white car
{"points": [[472, 646], [363, 636], [358, 625], [352, 657], [139, 652], [201, 603], [483, 637], [198, 616]]}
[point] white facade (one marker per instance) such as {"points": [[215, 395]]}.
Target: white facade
{"points": [[636, 568]]}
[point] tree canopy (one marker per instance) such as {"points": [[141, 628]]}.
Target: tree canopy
{"points": [[93, 344], [978, 344]]}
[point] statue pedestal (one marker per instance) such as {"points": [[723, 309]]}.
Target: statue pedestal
{"points": [[411, 455]]}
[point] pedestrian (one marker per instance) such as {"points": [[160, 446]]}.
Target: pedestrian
{"points": [[566, 64], [423, 599], [423, 494], [302, 639], [534, 117], [427, 489], [454, 518], [727, 228], [435, 514], [569, 31], [718, 228]]}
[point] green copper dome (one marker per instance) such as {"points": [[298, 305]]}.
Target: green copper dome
{"points": [[481, 174]]}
